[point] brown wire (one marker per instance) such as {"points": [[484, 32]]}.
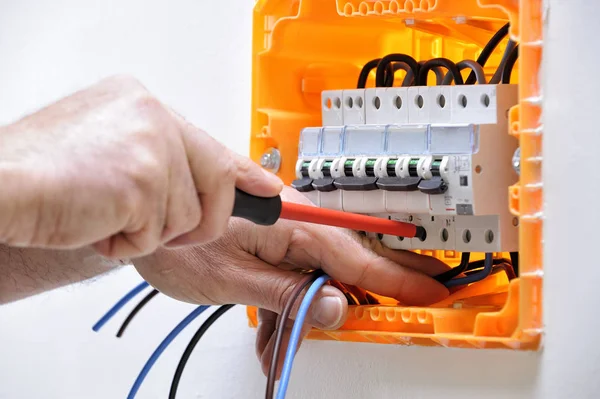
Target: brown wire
{"points": [[287, 310]]}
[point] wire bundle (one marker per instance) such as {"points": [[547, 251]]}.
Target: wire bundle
{"points": [[417, 72]]}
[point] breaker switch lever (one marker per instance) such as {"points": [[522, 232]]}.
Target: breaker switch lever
{"points": [[303, 185], [399, 183], [324, 185], [433, 186], [350, 183]]}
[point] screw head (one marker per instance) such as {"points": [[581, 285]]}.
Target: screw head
{"points": [[516, 161], [271, 160]]}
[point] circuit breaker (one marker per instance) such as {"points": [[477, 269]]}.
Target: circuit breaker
{"points": [[447, 137]]}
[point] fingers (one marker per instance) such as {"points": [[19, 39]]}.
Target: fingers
{"points": [[253, 282], [396, 274], [265, 341], [183, 205], [216, 172]]}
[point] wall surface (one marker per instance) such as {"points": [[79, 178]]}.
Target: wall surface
{"points": [[195, 56]]}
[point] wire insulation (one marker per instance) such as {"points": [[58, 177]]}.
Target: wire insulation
{"points": [[135, 311], [438, 62], [473, 278], [497, 77], [161, 348], [117, 306], [464, 64], [285, 315], [461, 268], [510, 63], [296, 332], [488, 50], [192, 345], [388, 59]]}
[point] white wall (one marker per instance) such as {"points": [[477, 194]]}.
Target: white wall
{"points": [[196, 57]]}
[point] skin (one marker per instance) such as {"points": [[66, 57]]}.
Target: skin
{"points": [[110, 172], [112, 167]]}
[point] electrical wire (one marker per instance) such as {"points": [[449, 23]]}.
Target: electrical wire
{"points": [[135, 311], [473, 65], [117, 306], [505, 267], [296, 332], [439, 75], [497, 77], [510, 63], [161, 348], [475, 277], [285, 315], [438, 62], [456, 271], [389, 79], [366, 70], [514, 260], [488, 50], [190, 347], [380, 75]]}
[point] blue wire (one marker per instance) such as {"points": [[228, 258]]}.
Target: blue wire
{"points": [[117, 306], [161, 348], [295, 336], [488, 265]]}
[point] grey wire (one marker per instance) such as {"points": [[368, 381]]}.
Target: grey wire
{"points": [[488, 265], [473, 65], [497, 77], [439, 75]]}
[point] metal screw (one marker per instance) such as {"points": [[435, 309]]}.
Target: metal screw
{"points": [[516, 161], [271, 160]]}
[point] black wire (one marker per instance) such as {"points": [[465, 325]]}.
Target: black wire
{"points": [[190, 348], [510, 63], [366, 70], [439, 62], [488, 50], [450, 274], [477, 264], [389, 79], [135, 311], [380, 77], [514, 259]]}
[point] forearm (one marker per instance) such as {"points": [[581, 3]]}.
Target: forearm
{"points": [[25, 272]]}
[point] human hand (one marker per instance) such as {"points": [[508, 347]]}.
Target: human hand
{"points": [[112, 167], [256, 265]]}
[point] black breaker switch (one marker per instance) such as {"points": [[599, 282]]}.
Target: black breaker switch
{"points": [[399, 183]]}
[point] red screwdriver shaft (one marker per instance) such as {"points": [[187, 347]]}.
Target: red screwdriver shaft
{"points": [[311, 214]]}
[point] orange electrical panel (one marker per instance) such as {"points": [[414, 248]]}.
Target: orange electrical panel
{"points": [[302, 47]]}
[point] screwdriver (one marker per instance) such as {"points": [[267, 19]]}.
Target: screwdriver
{"points": [[266, 211]]}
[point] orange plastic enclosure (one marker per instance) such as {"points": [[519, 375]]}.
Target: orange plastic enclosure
{"points": [[302, 47]]}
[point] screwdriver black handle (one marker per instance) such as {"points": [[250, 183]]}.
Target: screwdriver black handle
{"points": [[259, 210]]}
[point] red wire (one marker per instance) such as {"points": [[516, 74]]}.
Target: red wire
{"points": [[330, 217]]}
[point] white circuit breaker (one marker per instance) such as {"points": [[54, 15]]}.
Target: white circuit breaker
{"points": [[436, 156]]}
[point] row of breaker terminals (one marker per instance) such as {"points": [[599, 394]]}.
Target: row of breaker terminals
{"points": [[425, 174]]}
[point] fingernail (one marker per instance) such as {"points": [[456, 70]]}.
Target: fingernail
{"points": [[328, 311], [273, 178]]}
